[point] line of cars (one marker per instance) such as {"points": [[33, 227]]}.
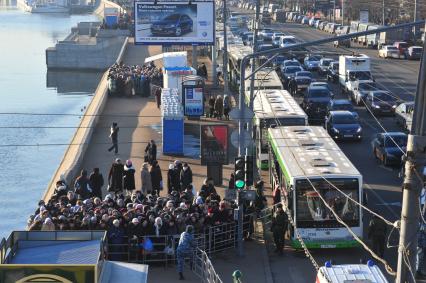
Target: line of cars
{"points": [[391, 44]]}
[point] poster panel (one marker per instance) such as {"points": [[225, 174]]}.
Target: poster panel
{"points": [[193, 101], [178, 22], [214, 144]]}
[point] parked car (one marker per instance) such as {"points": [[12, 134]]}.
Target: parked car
{"points": [[322, 25], [381, 102], [324, 63], [316, 23], [311, 62], [174, 24], [305, 20], [404, 115], [388, 147], [312, 21], [333, 72], [266, 34], [402, 46], [343, 125], [315, 103], [389, 51], [287, 40], [341, 105], [361, 90], [413, 53], [276, 38]]}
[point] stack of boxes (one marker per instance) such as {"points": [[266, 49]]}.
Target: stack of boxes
{"points": [[172, 121]]}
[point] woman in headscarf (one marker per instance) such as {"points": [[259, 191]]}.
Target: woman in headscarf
{"points": [[129, 177]]}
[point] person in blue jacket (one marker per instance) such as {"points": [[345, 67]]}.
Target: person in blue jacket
{"points": [[185, 249]]}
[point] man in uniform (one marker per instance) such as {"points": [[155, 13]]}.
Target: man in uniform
{"points": [[377, 234], [279, 228]]}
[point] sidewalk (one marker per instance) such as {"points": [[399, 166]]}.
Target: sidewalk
{"points": [[143, 123]]}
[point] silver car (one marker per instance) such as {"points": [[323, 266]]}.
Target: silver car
{"points": [[404, 115]]}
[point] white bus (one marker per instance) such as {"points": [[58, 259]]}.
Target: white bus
{"points": [[299, 153], [273, 108], [265, 78]]}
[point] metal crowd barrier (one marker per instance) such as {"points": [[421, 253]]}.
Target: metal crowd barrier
{"points": [[214, 239], [203, 267]]}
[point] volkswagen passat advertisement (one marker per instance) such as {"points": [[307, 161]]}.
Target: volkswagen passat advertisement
{"points": [[174, 22]]}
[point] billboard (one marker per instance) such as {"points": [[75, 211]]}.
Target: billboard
{"points": [[166, 22], [363, 16], [193, 101], [214, 144]]}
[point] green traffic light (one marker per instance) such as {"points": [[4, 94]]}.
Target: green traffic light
{"points": [[239, 184]]}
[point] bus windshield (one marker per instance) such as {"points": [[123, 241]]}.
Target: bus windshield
{"points": [[311, 210]]}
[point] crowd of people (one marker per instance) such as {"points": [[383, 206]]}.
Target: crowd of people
{"points": [[126, 80], [219, 107], [127, 213]]}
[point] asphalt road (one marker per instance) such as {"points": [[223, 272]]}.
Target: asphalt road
{"points": [[382, 184]]}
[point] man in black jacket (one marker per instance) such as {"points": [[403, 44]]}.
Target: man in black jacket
{"points": [[96, 182], [114, 137]]}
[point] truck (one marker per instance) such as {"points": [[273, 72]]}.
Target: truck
{"points": [[390, 36], [362, 27], [279, 16], [352, 69], [372, 40]]}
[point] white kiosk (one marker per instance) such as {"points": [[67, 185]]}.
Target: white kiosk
{"points": [[174, 68]]}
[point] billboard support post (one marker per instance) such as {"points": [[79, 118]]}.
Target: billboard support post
{"points": [[194, 57], [225, 51], [214, 63]]}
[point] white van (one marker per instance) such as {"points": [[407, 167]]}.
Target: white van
{"points": [[346, 273]]}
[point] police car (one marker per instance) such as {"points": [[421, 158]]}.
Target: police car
{"points": [[350, 273]]}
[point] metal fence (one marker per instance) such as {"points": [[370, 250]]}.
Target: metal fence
{"points": [[214, 239], [203, 267]]}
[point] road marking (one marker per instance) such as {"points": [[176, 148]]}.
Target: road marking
{"points": [[381, 200]]}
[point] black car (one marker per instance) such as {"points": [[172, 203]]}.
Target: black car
{"points": [[315, 103], [174, 24], [288, 73], [341, 105], [300, 82], [388, 147], [333, 72], [343, 125], [381, 102]]}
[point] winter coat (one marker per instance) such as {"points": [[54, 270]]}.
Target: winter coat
{"points": [[186, 178], [218, 105], [146, 182], [115, 177], [156, 177], [279, 222], [186, 243], [96, 182], [377, 228], [171, 180], [151, 151], [81, 187], [129, 179]]}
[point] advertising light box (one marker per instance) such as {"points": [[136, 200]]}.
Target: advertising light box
{"points": [[167, 22]]}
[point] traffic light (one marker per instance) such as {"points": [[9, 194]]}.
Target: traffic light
{"points": [[240, 172], [249, 170]]}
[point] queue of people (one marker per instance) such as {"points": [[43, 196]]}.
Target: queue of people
{"points": [[219, 107], [126, 80]]}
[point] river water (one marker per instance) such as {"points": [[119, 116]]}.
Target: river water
{"points": [[27, 87]]}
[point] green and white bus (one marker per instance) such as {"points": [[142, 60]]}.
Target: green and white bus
{"points": [[273, 108], [299, 153], [265, 78]]}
